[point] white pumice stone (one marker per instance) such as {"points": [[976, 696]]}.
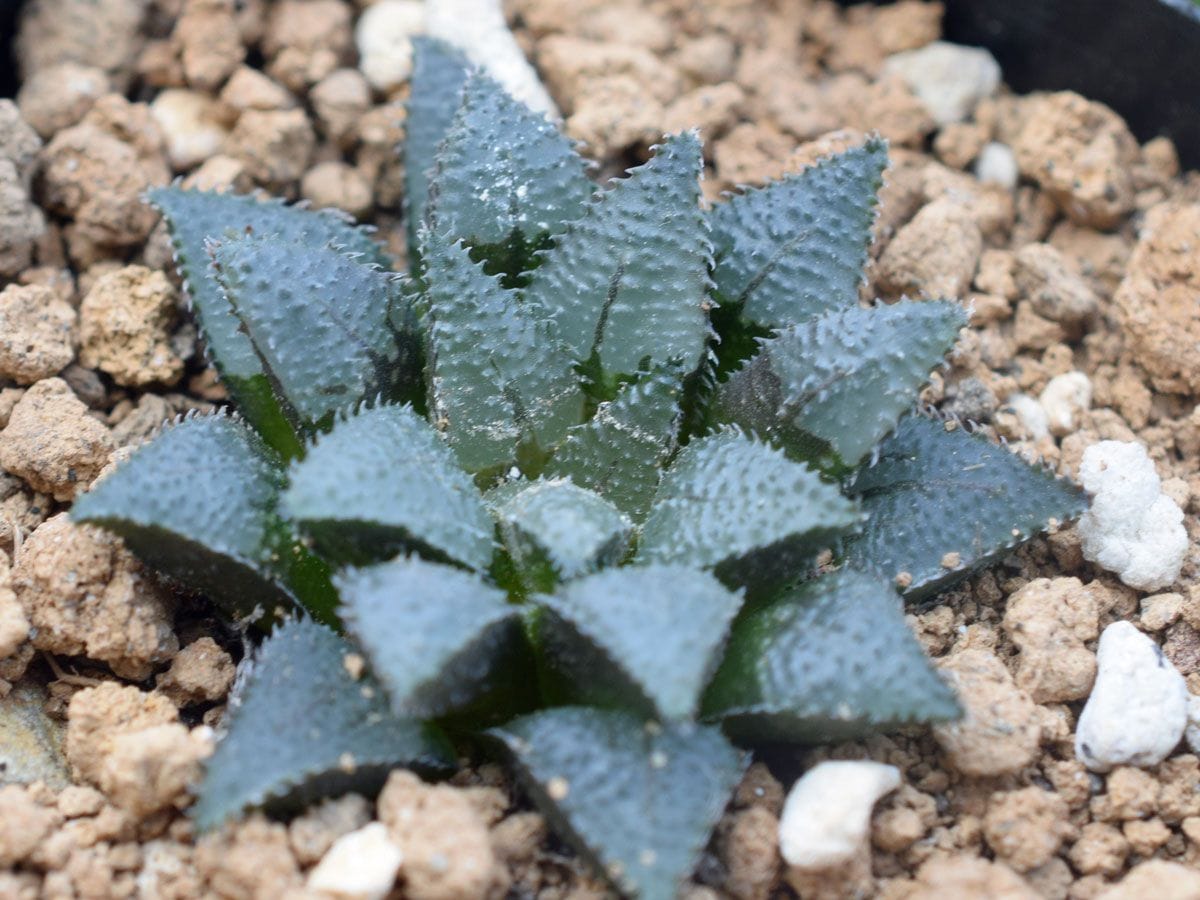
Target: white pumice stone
{"points": [[1132, 527], [827, 814], [948, 78], [361, 865], [383, 36], [1138, 708], [1192, 732], [1065, 399], [997, 164]]}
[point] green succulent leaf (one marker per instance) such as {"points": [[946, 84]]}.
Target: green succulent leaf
{"points": [[504, 171], [229, 543], [439, 638], [838, 382], [620, 452], [382, 482], [196, 218], [555, 531], [637, 798], [641, 637], [830, 660], [291, 302], [500, 387], [796, 248], [942, 503], [628, 281], [300, 728], [740, 507], [435, 90]]}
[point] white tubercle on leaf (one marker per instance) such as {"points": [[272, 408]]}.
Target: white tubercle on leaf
{"points": [[828, 812], [1138, 708], [1132, 527], [478, 28], [361, 865]]}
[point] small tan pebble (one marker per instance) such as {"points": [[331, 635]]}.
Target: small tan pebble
{"points": [[890, 107], [749, 848], [249, 88], [95, 173], [959, 143], [570, 64], [999, 732], [934, 255], [201, 672], [24, 823], [336, 185], [1024, 828], [305, 40], [1157, 298], [1049, 620], [221, 174], [14, 624], [52, 443], [612, 114], [167, 871], [1044, 277], [759, 787], [21, 221], [1081, 153], [1178, 798], [152, 769], [1100, 849], [37, 333], [707, 58], [361, 865], [98, 714], [209, 42], [190, 125], [751, 153], [1145, 836], [85, 594], [340, 99], [798, 106], [626, 22], [1156, 879], [19, 143], [958, 877], [58, 96], [143, 421], [1033, 332], [79, 800], [447, 852], [517, 838], [125, 324], [105, 34], [249, 859], [490, 802], [1130, 793], [1160, 611], [274, 145], [312, 833], [714, 109]]}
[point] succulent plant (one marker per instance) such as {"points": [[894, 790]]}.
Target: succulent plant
{"points": [[607, 479]]}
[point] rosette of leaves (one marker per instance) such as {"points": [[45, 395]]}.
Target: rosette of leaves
{"points": [[608, 478]]}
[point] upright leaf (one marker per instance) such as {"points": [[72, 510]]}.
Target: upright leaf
{"points": [[829, 661], [640, 637], [439, 638], [299, 728], [228, 543], [619, 453], [291, 303], [628, 280], [739, 507], [504, 171], [435, 89], [838, 382], [382, 482], [942, 503], [500, 387], [195, 218], [796, 248], [556, 531], [636, 798]]}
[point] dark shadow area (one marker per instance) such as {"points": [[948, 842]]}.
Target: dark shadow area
{"points": [[8, 31]]}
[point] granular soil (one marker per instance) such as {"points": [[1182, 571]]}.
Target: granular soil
{"points": [[1076, 248]]}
